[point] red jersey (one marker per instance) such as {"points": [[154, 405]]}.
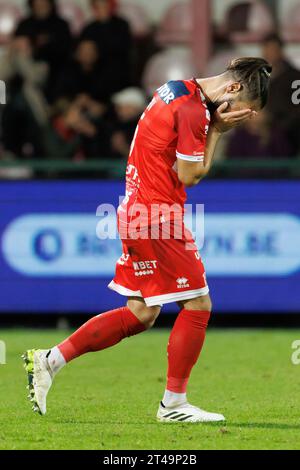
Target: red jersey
{"points": [[162, 265], [174, 125]]}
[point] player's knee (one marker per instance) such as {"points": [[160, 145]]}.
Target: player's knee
{"points": [[202, 303], [146, 315], [150, 320]]}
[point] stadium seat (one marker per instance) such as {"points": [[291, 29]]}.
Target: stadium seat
{"points": [[136, 17], [248, 21], [171, 64], [291, 24], [9, 17], [176, 26], [72, 13]]}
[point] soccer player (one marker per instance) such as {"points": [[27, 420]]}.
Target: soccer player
{"points": [[173, 147]]}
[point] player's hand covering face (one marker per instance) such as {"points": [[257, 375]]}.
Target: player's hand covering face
{"points": [[224, 120]]}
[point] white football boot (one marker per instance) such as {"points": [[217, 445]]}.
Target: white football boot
{"points": [[40, 378], [186, 413]]}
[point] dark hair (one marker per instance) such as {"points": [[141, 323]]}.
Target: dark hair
{"points": [[112, 5], [254, 75], [273, 37], [51, 2]]}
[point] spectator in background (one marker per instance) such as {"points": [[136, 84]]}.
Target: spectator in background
{"points": [[67, 128], [113, 38], [49, 36], [25, 115], [260, 137], [77, 130], [129, 104], [86, 74], [284, 113]]}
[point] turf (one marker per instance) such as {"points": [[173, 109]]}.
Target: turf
{"points": [[109, 400]]}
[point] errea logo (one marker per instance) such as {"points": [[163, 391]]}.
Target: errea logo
{"points": [[182, 283]]}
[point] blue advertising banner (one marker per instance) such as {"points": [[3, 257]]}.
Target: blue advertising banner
{"points": [[51, 259]]}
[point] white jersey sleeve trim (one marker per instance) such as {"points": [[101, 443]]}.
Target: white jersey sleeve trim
{"points": [[190, 158]]}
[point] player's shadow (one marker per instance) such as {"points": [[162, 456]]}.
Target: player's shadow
{"points": [[283, 426]]}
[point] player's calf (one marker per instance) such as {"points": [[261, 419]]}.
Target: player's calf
{"points": [[184, 348], [101, 332]]}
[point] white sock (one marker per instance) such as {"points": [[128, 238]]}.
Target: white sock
{"points": [[56, 360], [172, 399]]}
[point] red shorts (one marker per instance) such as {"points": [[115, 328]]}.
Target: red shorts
{"points": [[160, 271]]}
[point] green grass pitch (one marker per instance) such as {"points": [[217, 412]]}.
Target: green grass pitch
{"points": [[108, 400]]}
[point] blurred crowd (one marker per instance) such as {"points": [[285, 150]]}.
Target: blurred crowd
{"points": [[274, 134], [69, 97], [79, 98]]}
